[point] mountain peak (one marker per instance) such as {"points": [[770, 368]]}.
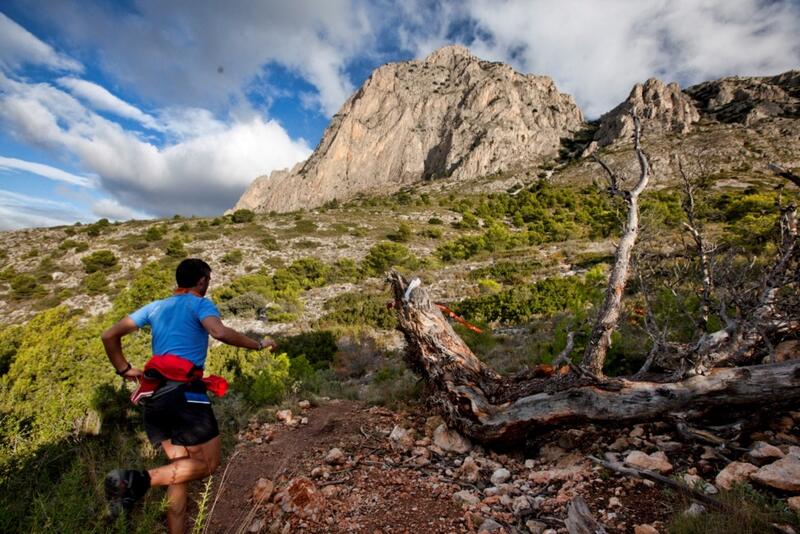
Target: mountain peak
{"points": [[448, 55]]}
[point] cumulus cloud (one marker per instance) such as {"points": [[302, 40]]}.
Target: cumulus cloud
{"points": [[24, 211], [202, 174], [111, 209], [101, 99], [19, 47], [52, 173], [596, 51], [187, 53]]}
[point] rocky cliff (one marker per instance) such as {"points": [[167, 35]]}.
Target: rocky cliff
{"points": [[449, 115], [661, 107], [747, 100]]}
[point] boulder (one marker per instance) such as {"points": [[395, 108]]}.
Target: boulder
{"points": [[793, 503], [302, 498], [263, 490], [654, 462], [762, 453], [285, 416], [335, 456], [733, 473], [644, 529], [401, 439], [304, 404], [469, 470], [500, 475], [450, 440], [466, 497], [489, 525], [783, 474]]}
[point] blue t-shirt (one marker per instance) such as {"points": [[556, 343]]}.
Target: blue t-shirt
{"points": [[176, 326]]}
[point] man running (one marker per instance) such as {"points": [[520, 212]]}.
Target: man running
{"points": [[177, 412]]}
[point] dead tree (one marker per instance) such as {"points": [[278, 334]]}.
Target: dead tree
{"points": [[489, 407], [692, 225], [600, 339]]}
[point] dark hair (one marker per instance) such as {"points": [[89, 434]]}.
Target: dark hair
{"points": [[190, 271]]}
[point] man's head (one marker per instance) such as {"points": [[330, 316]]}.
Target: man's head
{"points": [[193, 273]]}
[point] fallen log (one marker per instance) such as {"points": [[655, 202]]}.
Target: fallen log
{"points": [[488, 407]]}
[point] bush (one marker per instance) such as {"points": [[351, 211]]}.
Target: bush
{"points": [[261, 377], [95, 229], [25, 286], [385, 255], [344, 270], [310, 272], [305, 226], [249, 304], [353, 309], [242, 216], [402, 234], [96, 283], [233, 257], [317, 346], [435, 220], [521, 304], [269, 242], [174, 248], [155, 232], [99, 260]]}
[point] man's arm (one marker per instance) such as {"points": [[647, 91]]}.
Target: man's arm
{"points": [[229, 336], [112, 341]]}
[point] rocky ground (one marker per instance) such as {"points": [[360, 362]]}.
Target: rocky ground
{"points": [[341, 466]]}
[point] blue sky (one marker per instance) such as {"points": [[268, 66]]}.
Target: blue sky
{"points": [[147, 108]]}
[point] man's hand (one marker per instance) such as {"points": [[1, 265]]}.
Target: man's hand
{"points": [[269, 343], [133, 374]]}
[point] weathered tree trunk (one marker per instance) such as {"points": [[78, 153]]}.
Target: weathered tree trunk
{"points": [[600, 339], [490, 408]]}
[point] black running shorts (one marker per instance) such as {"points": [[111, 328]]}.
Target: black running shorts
{"points": [[182, 414]]}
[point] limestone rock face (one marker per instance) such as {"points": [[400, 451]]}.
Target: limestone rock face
{"points": [[746, 100], [661, 108], [449, 115]]}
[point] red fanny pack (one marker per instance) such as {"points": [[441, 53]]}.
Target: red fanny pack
{"points": [[177, 369]]}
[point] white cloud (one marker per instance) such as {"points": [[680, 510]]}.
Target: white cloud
{"points": [[24, 211], [188, 53], [596, 51], [202, 173], [111, 209], [18, 47], [102, 99], [46, 171]]}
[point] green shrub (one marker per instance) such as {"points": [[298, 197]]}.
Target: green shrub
{"points": [[217, 221], [353, 309], [249, 304], [95, 229], [435, 220], [155, 232], [96, 283], [269, 242], [305, 226], [234, 257], [175, 249], [99, 260], [242, 216], [432, 233], [25, 286], [344, 270], [383, 256], [310, 272], [506, 272], [68, 244], [317, 346], [263, 378], [521, 304], [82, 247], [402, 234], [487, 286]]}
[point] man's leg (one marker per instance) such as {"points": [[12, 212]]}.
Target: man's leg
{"points": [[187, 463]]}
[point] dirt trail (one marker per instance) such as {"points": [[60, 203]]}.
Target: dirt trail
{"points": [[372, 498]]}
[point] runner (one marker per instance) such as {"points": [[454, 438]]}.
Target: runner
{"points": [[177, 412]]}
